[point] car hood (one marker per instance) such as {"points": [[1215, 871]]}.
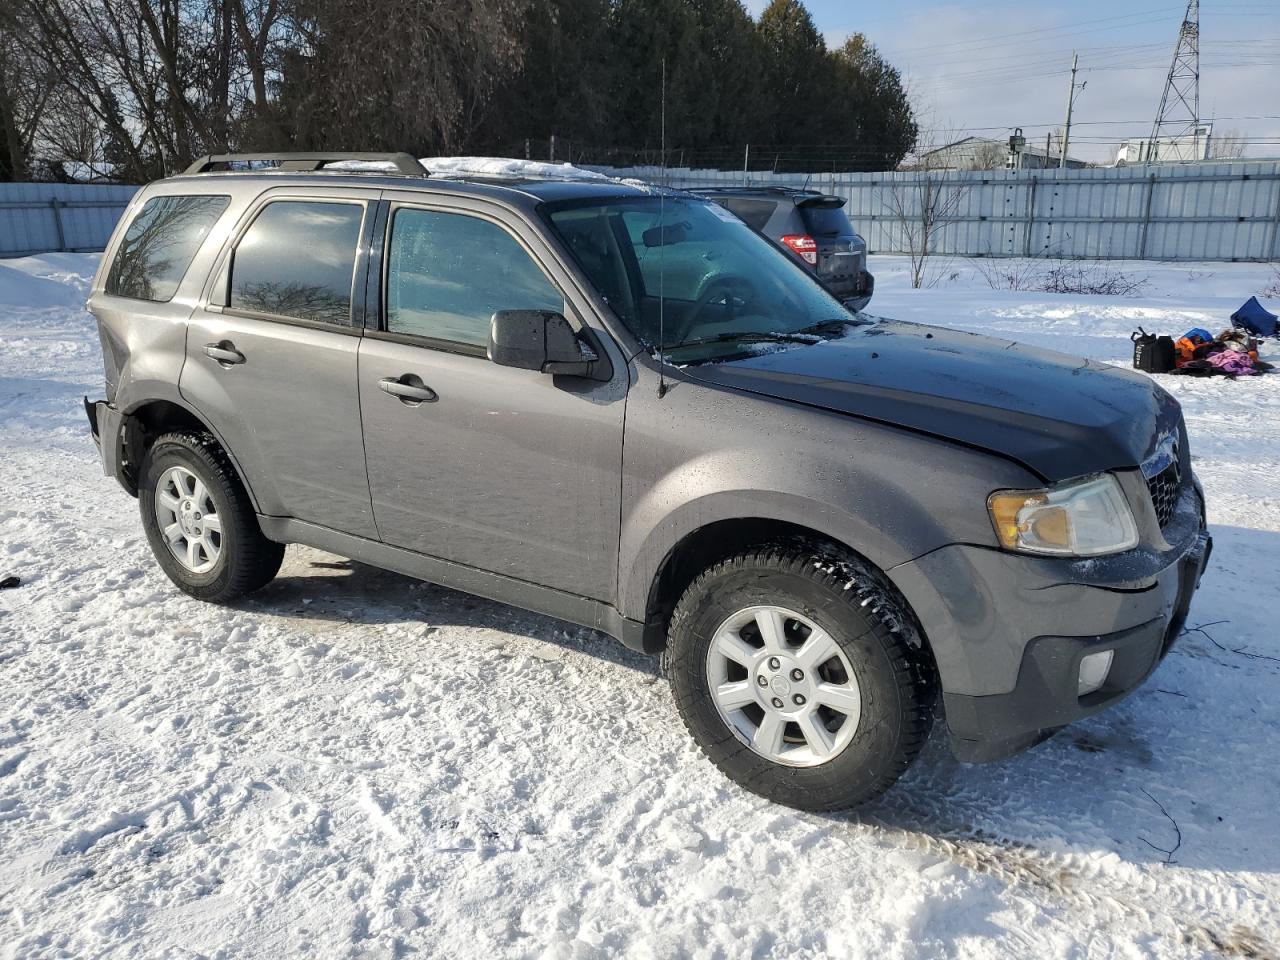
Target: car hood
{"points": [[1061, 416]]}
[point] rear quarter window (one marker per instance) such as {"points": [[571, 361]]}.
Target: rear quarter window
{"points": [[754, 213], [160, 244]]}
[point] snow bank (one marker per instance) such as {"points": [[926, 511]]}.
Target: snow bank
{"points": [[33, 281]]}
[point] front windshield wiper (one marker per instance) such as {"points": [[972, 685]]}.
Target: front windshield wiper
{"points": [[749, 336], [833, 326]]}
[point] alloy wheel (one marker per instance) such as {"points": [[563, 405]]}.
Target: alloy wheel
{"points": [[188, 519], [783, 686]]}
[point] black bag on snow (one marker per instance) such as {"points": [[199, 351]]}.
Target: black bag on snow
{"points": [[1152, 354]]}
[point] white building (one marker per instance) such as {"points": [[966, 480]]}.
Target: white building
{"points": [[1191, 148]]}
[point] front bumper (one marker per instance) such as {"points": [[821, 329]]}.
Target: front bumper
{"points": [[1008, 631]]}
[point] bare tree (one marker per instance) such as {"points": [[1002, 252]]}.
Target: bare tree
{"points": [[25, 87], [922, 199]]}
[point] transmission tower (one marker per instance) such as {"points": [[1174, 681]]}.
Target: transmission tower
{"points": [[1179, 113]]}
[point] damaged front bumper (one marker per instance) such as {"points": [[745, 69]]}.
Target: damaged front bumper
{"points": [[1009, 632], [106, 424]]}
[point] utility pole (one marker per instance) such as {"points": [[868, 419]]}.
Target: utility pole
{"points": [[746, 158], [1071, 102]]}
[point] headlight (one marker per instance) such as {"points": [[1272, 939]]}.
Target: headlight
{"points": [[1081, 518]]}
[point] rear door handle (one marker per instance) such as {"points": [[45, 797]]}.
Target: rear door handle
{"points": [[224, 352], [409, 388]]}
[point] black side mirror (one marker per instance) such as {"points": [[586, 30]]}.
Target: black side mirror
{"points": [[539, 340]]}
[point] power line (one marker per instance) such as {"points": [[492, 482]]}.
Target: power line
{"points": [[985, 42]]}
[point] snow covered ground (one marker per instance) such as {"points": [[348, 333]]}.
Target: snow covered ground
{"points": [[355, 764]]}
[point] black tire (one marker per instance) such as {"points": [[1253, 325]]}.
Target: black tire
{"points": [[246, 560], [857, 607]]}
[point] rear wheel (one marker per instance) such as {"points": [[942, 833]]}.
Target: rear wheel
{"points": [[791, 685], [199, 521]]}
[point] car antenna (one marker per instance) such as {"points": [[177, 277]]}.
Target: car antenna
{"points": [[662, 247]]}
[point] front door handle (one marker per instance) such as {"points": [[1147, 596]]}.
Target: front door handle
{"points": [[409, 388], [225, 352]]}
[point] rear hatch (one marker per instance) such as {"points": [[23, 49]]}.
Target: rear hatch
{"points": [[842, 254]]}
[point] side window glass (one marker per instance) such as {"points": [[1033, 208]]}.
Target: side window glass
{"points": [[160, 244], [449, 273], [297, 260], [754, 213]]}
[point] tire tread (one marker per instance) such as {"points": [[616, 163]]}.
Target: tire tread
{"points": [[894, 628]]}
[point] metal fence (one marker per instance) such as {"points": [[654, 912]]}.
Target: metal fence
{"points": [[1217, 211], [1222, 211], [41, 217]]}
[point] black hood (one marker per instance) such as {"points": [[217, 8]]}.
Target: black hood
{"points": [[1058, 415]]}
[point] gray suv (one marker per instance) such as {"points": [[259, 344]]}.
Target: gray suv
{"points": [[619, 406], [810, 226]]}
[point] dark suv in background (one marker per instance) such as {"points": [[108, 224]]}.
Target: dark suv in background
{"points": [[812, 227]]}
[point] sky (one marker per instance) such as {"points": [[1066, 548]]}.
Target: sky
{"points": [[985, 68]]}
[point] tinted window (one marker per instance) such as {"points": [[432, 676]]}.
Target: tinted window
{"points": [[826, 221], [449, 273], [754, 213], [297, 261], [159, 245]]}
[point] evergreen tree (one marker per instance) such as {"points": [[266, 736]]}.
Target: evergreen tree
{"points": [[879, 121], [798, 72]]}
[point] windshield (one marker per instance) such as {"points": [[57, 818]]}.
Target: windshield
{"points": [[724, 289]]}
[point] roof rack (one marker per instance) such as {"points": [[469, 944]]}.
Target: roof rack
{"points": [[404, 163]]}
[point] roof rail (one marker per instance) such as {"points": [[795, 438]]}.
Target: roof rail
{"points": [[404, 163]]}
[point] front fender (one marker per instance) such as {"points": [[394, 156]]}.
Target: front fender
{"points": [[703, 454]]}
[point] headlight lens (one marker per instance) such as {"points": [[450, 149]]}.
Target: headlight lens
{"points": [[1081, 518]]}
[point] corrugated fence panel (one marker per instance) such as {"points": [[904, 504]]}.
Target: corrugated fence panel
{"points": [[1228, 211], [1225, 211], [41, 217]]}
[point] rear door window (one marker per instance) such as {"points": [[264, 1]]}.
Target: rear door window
{"points": [[754, 213], [160, 244], [297, 261], [449, 273]]}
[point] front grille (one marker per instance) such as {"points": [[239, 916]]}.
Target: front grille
{"points": [[1165, 487]]}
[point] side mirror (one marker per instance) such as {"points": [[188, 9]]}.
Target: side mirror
{"points": [[539, 340]]}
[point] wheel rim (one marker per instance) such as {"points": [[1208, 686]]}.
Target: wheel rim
{"points": [[783, 686], [188, 519]]}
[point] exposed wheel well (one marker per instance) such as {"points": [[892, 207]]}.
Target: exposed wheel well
{"points": [[153, 419], [725, 538]]}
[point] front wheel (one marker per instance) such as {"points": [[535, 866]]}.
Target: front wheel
{"points": [[199, 521], [794, 687]]}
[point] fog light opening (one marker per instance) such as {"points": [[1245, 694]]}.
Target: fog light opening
{"points": [[1094, 668]]}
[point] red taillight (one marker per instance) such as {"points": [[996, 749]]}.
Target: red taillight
{"points": [[803, 246]]}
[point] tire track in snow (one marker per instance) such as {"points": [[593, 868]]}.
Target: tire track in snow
{"points": [[1078, 882]]}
